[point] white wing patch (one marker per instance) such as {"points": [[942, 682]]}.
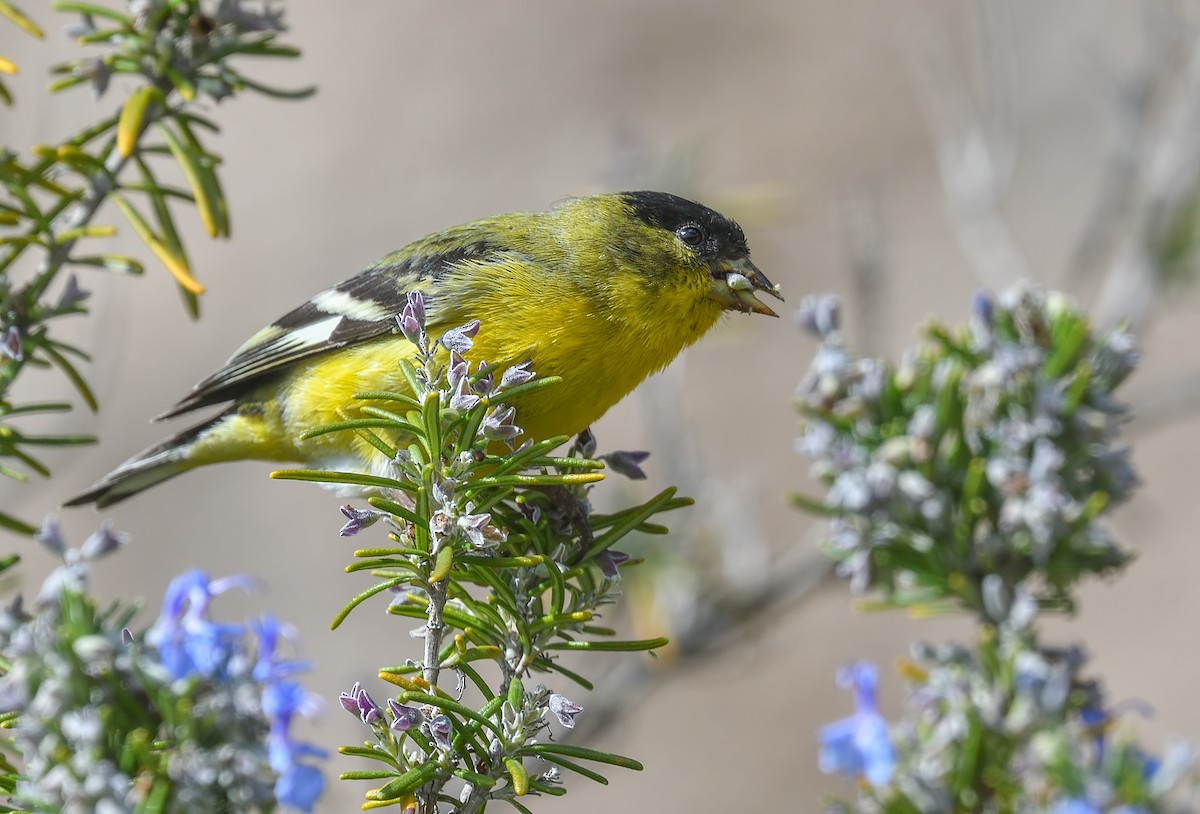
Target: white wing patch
{"points": [[274, 345], [347, 305], [310, 335]]}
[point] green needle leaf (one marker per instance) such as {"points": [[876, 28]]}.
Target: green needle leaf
{"points": [[631, 645], [198, 180], [582, 753], [72, 375], [405, 783]]}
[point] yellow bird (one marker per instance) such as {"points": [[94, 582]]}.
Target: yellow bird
{"points": [[602, 291]]}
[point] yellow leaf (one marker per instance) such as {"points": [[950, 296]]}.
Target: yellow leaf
{"points": [[195, 174], [19, 19], [174, 263], [133, 117], [520, 777]]}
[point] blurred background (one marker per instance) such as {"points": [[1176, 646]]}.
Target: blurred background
{"points": [[904, 155]]}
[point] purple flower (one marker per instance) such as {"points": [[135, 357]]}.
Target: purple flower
{"points": [[476, 527], [409, 327], [441, 728], [819, 314], [72, 294], [1073, 806], [443, 491], [463, 399], [858, 745], [458, 379], [498, 425], [609, 560], [458, 369], [360, 703], [585, 443], [404, 717], [483, 384], [627, 463], [102, 542], [11, 346], [412, 318], [564, 709], [1077, 805], [983, 307], [284, 700], [416, 306], [460, 339], [51, 536], [359, 519], [515, 375], [299, 784]]}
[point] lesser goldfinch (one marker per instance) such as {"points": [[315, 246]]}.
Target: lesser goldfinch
{"points": [[601, 291]]}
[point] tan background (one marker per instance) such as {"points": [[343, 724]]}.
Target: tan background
{"points": [[431, 114]]}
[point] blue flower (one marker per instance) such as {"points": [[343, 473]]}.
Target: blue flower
{"points": [[859, 744], [1076, 805], [188, 642], [269, 666], [1073, 806], [299, 784]]}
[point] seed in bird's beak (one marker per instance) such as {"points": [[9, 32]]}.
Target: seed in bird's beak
{"points": [[734, 284], [738, 282]]}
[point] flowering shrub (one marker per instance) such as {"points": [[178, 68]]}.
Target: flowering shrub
{"points": [[191, 715], [974, 475]]}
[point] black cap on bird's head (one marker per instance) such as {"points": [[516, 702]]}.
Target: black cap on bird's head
{"points": [[716, 240]]}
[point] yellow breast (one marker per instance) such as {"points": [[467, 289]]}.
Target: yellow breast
{"points": [[600, 350], [601, 354]]}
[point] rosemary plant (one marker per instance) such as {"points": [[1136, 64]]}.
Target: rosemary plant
{"points": [[496, 557], [974, 476], [180, 53], [190, 715]]}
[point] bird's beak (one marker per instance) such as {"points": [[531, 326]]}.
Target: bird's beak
{"points": [[734, 283]]}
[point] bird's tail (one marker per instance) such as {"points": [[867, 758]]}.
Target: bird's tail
{"points": [[149, 467]]}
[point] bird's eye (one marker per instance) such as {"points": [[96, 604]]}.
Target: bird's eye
{"points": [[690, 235]]}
